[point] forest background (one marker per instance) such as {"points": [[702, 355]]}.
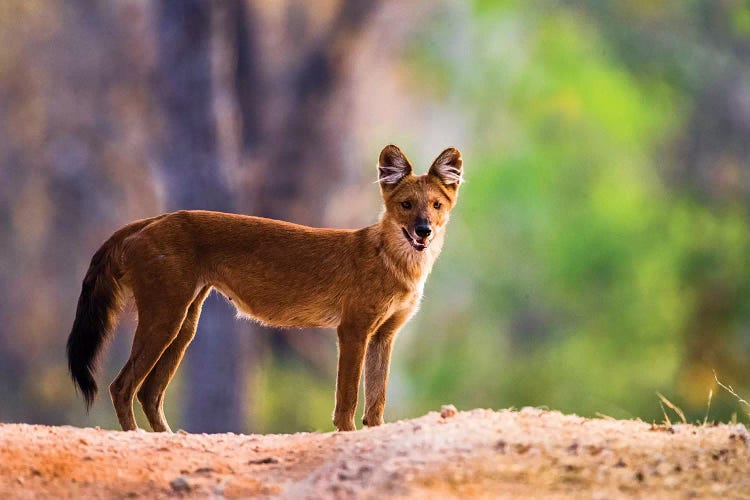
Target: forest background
{"points": [[598, 254]]}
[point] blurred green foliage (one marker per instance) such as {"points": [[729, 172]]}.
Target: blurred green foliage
{"points": [[572, 271], [577, 273], [597, 255]]}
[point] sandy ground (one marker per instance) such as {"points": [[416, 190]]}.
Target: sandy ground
{"points": [[529, 453]]}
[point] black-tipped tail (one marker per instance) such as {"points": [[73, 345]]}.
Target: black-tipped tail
{"points": [[97, 309]]}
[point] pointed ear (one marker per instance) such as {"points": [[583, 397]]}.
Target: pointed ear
{"points": [[448, 167], [392, 166]]}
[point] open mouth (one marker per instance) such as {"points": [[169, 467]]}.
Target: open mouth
{"points": [[418, 244]]}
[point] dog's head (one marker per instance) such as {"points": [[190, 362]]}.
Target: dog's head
{"points": [[419, 204]]}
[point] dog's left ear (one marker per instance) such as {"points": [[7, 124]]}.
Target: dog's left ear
{"points": [[448, 168]]}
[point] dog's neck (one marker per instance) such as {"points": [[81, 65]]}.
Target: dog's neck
{"points": [[405, 263]]}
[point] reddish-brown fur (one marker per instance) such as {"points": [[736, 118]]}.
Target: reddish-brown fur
{"points": [[365, 282]]}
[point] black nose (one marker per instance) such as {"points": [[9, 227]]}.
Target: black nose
{"points": [[423, 230]]}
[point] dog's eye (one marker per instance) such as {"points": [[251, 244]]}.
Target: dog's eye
{"points": [[406, 204], [437, 205]]}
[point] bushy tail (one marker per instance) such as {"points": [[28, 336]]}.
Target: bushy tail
{"points": [[99, 304]]}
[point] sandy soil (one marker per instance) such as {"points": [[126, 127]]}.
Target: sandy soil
{"points": [[484, 453]]}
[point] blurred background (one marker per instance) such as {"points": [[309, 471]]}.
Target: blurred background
{"points": [[598, 254]]}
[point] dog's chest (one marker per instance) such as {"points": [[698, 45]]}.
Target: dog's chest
{"points": [[409, 297]]}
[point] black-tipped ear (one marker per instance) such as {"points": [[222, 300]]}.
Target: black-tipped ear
{"points": [[392, 166], [448, 167]]}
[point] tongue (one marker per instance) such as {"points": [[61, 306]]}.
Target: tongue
{"points": [[421, 241]]}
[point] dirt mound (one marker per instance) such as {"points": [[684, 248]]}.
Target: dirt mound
{"points": [[529, 453]]}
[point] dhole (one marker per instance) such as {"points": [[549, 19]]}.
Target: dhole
{"points": [[366, 282]]}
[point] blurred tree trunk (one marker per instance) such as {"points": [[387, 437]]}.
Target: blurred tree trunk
{"points": [[706, 54], [192, 174], [59, 196], [713, 167]]}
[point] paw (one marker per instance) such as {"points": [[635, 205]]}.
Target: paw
{"points": [[349, 426], [344, 424], [372, 421]]}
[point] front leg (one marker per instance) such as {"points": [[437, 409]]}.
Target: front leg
{"points": [[352, 344], [377, 366]]}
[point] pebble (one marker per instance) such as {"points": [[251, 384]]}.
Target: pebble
{"points": [[448, 411], [180, 484]]}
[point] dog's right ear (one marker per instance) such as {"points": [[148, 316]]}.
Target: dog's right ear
{"points": [[392, 166]]}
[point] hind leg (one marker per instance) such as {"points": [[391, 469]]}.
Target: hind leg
{"points": [[151, 393], [159, 322]]}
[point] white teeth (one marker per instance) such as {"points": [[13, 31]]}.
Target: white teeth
{"points": [[417, 243]]}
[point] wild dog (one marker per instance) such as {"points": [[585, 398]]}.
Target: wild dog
{"points": [[367, 283]]}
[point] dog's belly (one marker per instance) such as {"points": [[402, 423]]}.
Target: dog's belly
{"points": [[299, 315]]}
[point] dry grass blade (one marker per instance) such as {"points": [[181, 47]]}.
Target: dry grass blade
{"points": [[673, 406], [708, 406], [731, 391], [667, 422]]}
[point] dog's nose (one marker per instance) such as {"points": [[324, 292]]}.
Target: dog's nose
{"points": [[423, 230]]}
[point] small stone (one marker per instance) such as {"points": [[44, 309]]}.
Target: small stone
{"points": [[522, 448], [267, 460], [594, 450], [448, 411], [573, 448], [180, 485]]}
